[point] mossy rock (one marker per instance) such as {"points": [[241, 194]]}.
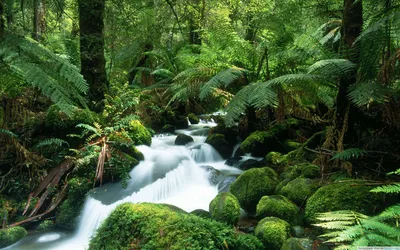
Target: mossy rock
{"points": [[272, 232], [346, 195], [252, 185], [183, 139], [11, 235], [55, 118], [225, 207], [260, 143], [311, 171], [45, 225], [230, 133], [156, 226], [219, 142], [297, 244], [131, 151], [168, 128], [201, 213], [276, 159], [139, 134], [299, 190], [193, 119], [305, 170], [178, 121], [277, 206]]}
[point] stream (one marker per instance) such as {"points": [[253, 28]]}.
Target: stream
{"points": [[188, 177]]}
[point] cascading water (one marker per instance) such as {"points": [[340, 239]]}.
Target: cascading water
{"points": [[185, 176]]}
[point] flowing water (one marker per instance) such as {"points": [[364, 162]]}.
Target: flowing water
{"points": [[185, 176]]}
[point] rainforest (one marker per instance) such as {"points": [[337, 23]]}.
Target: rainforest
{"points": [[199, 124]]}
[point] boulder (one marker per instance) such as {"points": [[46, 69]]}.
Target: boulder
{"points": [[297, 244], [183, 139], [233, 161], [346, 195], [273, 232], [225, 185], [139, 133], [220, 144], [156, 226], [215, 176], [250, 163], [168, 128], [193, 119], [11, 235], [260, 143], [299, 190], [252, 185], [225, 207], [201, 213], [277, 206]]}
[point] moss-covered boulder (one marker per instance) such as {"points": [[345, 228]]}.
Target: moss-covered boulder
{"points": [[168, 128], [201, 213], [131, 151], [219, 142], [346, 195], [45, 225], [252, 185], [276, 159], [260, 143], [139, 133], [306, 170], [156, 226], [11, 235], [277, 206], [193, 119], [299, 189], [183, 139], [297, 244], [272, 232], [225, 207]]}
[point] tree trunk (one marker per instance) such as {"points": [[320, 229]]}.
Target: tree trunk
{"points": [[93, 63], [2, 22], [142, 63], [39, 19]]}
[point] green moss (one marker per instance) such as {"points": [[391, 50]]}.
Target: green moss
{"points": [[297, 244], [253, 184], [45, 225], [299, 189], [139, 133], [57, 119], [348, 195], [305, 170], [276, 158], [255, 140], [193, 119], [183, 139], [219, 142], [168, 128], [225, 207], [155, 226], [277, 206], [272, 232], [201, 213], [11, 235], [311, 171]]}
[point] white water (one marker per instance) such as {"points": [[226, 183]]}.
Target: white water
{"points": [[169, 174]]}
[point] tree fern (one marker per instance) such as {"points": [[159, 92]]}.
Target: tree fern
{"points": [[55, 77], [349, 154], [366, 93], [333, 68]]}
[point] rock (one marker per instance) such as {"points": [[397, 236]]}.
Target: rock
{"points": [[225, 208], [297, 244], [250, 163], [220, 144], [272, 232], [230, 133], [193, 119], [260, 143], [347, 195], [233, 161], [299, 190], [183, 139], [11, 235], [131, 151], [276, 159], [45, 225], [225, 185], [277, 206], [201, 213], [252, 185], [139, 134], [156, 226], [168, 128], [215, 176], [305, 170], [297, 231]]}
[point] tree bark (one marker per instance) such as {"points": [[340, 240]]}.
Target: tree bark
{"points": [[93, 63], [39, 19]]}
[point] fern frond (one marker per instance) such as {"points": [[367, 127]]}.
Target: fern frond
{"points": [[388, 189], [222, 79], [52, 141], [365, 93], [8, 133], [333, 68], [349, 154], [88, 128], [237, 106]]}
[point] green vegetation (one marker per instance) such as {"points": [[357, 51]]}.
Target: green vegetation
{"points": [[11, 235], [299, 190], [277, 206], [252, 185], [272, 232], [225, 208], [154, 226]]}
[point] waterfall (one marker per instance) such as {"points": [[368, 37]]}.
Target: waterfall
{"points": [[168, 174]]}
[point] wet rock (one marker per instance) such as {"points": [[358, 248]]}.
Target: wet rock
{"points": [[201, 213], [250, 163], [220, 143], [183, 139], [233, 161], [168, 128], [225, 185], [215, 176]]}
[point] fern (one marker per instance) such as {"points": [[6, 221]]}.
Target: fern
{"points": [[52, 141], [55, 77], [365, 93], [349, 154], [333, 68], [8, 133]]}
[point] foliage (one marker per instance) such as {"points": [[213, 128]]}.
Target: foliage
{"points": [[349, 154], [272, 232], [225, 208], [299, 190], [11, 235], [277, 206], [157, 226]]}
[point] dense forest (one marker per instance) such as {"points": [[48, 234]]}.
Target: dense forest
{"points": [[299, 101]]}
